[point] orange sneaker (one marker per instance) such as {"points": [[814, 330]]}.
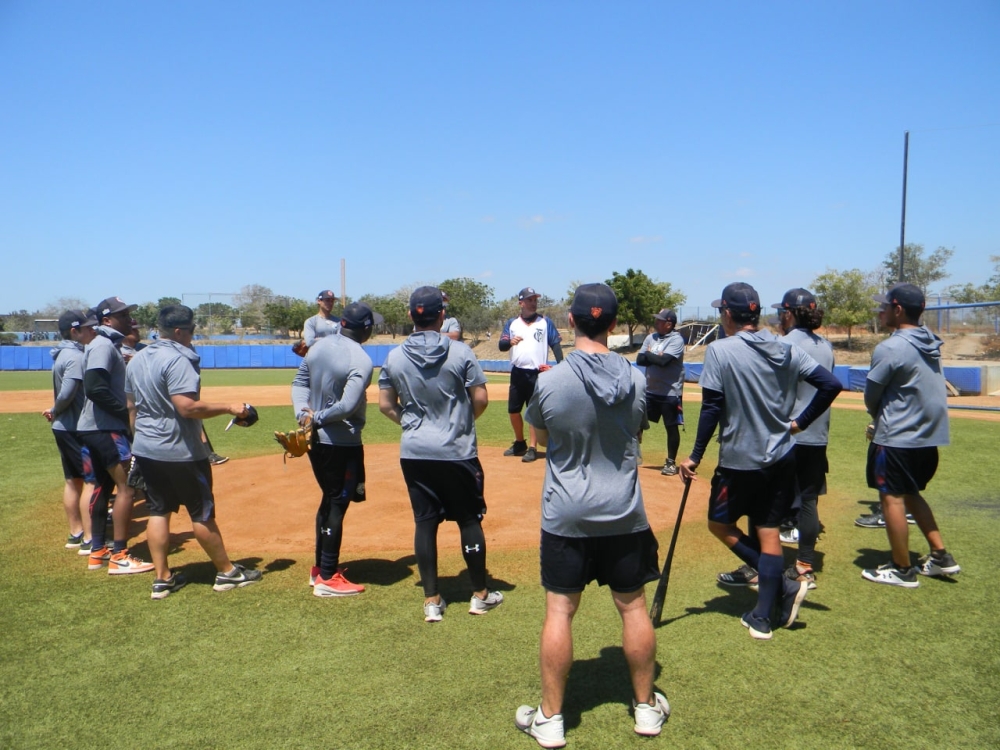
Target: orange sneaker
{"points": [[336, 585], [122, 563], [98, 558]]}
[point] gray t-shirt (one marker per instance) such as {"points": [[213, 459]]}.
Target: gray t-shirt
{"points": [[905, 391], [593, 406], [319, 326], [431, 374], [161, 370], [758, 377], [817, 347], [102, 354], [331, 381], [451, 325], [665, 380], [67, 385]]}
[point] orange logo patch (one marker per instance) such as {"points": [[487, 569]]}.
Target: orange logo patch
{"points": [[595, 312]]}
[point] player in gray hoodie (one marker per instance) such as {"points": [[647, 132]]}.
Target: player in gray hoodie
{"points": [[435, 390], [906, 396]]}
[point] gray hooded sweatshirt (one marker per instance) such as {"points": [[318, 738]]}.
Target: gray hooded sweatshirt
{"points": [[431, 374], [67, 385], [905, 392], [593, 406]]}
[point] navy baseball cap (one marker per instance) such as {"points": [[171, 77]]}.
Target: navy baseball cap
{"points": [[527, 293], [112, 305], [908, 296], [326, 294], [425, 303], [796, 298], [75, 319], [740, 298], [667, 315], [358, 315], [594, 301]]}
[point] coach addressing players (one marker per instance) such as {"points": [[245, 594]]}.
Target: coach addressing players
{"points": [[528, 338]]}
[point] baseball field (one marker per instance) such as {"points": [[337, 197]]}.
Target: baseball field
{"points": [[90, 661]]}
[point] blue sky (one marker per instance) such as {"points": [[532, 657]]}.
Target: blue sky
{"points": [[154, 149]]}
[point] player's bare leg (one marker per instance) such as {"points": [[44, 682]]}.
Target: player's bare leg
{"points": [[638, 642], [517, 423], [896, 528], [72, 492], [158, 540], [924, 516], [121, 515], [210, 538], [556, 652]]}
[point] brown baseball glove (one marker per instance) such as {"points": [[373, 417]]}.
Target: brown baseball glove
{"points": [[295, 442], [300, 348]]}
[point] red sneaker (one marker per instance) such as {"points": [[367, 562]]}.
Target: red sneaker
{"points": [[336, 585]]}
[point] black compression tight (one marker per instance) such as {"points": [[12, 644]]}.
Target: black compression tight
{"points": [[673, 441], [473, 550], [329, 534]]}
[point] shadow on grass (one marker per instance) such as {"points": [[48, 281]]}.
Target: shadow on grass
{"points": [[595, 682], [458, 587]]}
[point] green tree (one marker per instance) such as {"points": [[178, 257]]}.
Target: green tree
{"points": [[465, 296], [917, 269], [845, 297], [393, 308], [251, 301], [640, 298], [147, 314], [986, 292], [215, 317]]}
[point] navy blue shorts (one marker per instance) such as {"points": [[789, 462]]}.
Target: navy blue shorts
{"points": [[446, 490], [171, 484], [71, 451], [763, 495], [900, 471], [522, 388], [624, 562], [338, 469], [670, 408], [104, 451]]}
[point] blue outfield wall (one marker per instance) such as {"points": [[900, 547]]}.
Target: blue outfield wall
{"points": [[968, 380]]}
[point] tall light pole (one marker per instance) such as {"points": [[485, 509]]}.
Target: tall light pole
{"points": [[902, 222]]}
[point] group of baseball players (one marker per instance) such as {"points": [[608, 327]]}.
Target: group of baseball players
{"points": [[767, 396]]}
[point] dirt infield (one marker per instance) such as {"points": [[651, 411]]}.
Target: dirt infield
{"points": [[267, 506]]}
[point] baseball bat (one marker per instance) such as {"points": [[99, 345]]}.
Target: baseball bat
{"points": [[661, 588]]}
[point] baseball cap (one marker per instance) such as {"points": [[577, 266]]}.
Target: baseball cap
{"points": [[358, 315], [425, 303], [908, 296], [526, 293], [665, 314], [796, 298], [740, 298], [112, 305], [75, 319], [594, 301], [326, 294]]}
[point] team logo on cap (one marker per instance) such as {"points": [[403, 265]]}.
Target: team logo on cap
{"points": [[595, 312]]}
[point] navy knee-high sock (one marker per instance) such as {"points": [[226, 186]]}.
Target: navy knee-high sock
{"points": [[769, 584], [748, 550]]}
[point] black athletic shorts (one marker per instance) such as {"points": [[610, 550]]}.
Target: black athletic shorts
{"points": [[171, 484], [668, 407], [71, 451], [522, 387], [624, 563], [900, 471], [811, 468], [104, 451], [339, 469], [763, 495], [446, 490]]}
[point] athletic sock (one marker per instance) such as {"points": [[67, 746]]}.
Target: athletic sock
{"points": [[119, 546], [748, 550], [769, 582]]}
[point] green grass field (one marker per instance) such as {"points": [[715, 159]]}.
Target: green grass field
{"points": [[91, 662]]}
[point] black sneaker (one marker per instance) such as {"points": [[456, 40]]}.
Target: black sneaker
{"points": [[529, 455], [892, 575], [793, 593], [162, 589], [238, 577], [938, 565], [216, 460], [742, 576], [669, 469], [759, 627], [519, 448], [877, 521]]}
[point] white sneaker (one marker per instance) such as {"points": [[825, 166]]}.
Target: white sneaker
{"points": [[548, 732], [434, 612], [649, 719], [791, 536], [481, 606]]}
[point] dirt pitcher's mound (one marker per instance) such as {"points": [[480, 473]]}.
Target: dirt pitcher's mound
{"points": [[265, 506]]}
